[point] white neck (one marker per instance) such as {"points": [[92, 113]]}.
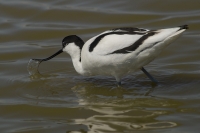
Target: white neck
{"points": [[75, 53], [78, 65]]}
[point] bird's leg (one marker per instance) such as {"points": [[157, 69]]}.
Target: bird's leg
{"points": [[119, 83], [149, 75]]}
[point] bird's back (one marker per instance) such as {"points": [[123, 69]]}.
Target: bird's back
{"points": [[119, 51]]}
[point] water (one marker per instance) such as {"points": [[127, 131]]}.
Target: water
{"points": [[60, 100], [33, 67]]}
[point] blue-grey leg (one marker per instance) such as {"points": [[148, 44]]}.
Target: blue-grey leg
{"points": [[149, 75], [119, 83]]}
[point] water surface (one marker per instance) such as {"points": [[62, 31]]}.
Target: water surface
{"points": [[60, 100]]}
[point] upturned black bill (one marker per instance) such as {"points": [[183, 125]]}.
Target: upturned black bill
{"points": [[50, 57]]}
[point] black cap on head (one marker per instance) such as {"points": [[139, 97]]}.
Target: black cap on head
{"points": [[73, 38]]}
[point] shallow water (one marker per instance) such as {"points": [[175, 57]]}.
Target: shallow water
{"points": [[60, 100], [33, 67]]}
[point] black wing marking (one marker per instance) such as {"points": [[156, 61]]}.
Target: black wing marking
{"points": [[134, 46], [98, 39], [130, 29]]}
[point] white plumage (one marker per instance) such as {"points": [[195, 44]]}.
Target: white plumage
{"points": [[119, 51]]}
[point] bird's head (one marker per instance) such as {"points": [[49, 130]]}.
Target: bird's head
{"points": [[70, 44]]}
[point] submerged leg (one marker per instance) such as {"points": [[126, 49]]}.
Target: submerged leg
{"points": [[118, 81], [149, 75]]}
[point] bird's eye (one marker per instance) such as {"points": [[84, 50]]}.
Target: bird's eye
{"points": [[64, 44]]}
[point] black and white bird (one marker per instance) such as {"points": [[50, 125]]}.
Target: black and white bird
{"points": [[119, 51]]}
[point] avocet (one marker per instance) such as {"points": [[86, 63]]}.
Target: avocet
{"points": [[117, 52]]}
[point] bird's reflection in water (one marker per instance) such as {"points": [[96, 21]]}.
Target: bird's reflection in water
{"points": [[121, 109]]}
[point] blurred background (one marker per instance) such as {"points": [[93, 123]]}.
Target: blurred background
{"points": [[60, 100]]}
